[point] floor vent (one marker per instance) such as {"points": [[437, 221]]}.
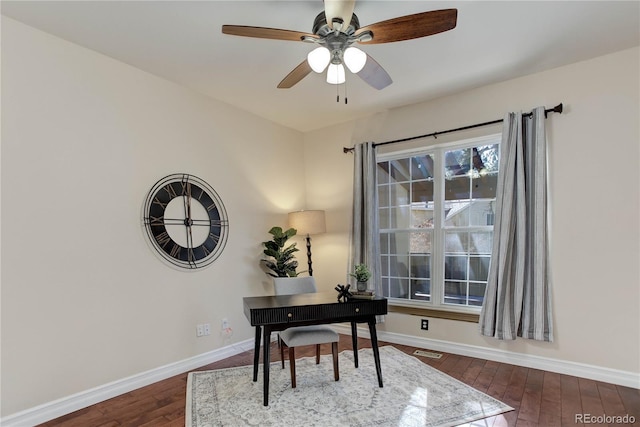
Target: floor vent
{"points": [[429, 354]]}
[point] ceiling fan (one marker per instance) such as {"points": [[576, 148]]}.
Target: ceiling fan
{"points": [[337, 29]]}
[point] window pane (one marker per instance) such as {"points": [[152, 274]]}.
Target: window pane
{"points": [[422, 192], [476, 293], [399, 266], [484, 186], [456, 242], [455, 267], [481, 212], [399, 217], [421, 289], [400, 170], [383, 218], [383, 173], [384, 243], [383, 195], [455, 293], [478, 268], [420, 266], [399, 194], [420, 242], [456, 213], [384, 265], [398, 288], [421, 167], [457, 162], [480, 242], [421, 217], [457, 188], [384, 282], [489, 156]]}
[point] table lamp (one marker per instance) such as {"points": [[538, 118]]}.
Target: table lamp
{"points": [[308, 222]]}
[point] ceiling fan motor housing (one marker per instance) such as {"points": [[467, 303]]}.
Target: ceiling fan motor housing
{"points": [[322, 28]]}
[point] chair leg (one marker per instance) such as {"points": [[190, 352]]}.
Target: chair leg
{"points": [[281, 345], [334, 351], [317, 354], [292, 364]]}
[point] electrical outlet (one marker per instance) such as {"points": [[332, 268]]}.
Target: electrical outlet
{"points": [[199, 330], [424, 324], [225, 324], [207, 329]]}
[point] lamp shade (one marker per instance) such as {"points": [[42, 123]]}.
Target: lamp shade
{"points": [[308, 222], [319, 58], [354, 59], [335, 74]]}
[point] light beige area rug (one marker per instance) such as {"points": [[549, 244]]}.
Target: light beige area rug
{"points": [[414, 394]]}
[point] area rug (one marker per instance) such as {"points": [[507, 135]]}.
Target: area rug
{"points": [[414, 394]]}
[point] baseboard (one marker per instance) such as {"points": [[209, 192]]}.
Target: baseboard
{"points": [[66, 405], [598, 373]]}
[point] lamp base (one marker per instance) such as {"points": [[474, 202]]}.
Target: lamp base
{"points": [[310, 270]]}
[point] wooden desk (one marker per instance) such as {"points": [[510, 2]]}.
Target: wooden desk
{"points": [[277, 313]]}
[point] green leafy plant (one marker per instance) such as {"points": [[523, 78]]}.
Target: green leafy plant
{"points": [[280, 259], [361, 273]]}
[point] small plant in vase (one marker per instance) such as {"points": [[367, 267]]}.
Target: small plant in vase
{"points": [[362, 274]]}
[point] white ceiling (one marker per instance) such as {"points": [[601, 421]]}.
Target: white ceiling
{"points": [[182, 42]]}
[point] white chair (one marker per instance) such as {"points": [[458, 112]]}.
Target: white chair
{"points": [[304, 335]]}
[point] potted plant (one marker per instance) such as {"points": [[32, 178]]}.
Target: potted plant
{"points": [[280, 259], [362, 274]]}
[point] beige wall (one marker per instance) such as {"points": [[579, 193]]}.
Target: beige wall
{"points": [[84, 299], [594, 191]]}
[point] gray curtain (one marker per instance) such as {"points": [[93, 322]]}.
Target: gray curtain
{"points": [[364, 240], [517, 299]]}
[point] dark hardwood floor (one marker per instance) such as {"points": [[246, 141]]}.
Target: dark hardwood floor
{"points": [[540, 398]]}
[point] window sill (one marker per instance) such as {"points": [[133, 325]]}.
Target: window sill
{"points": [[437, 313]]}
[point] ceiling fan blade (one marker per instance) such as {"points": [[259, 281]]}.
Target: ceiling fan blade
{"points": [[265, 33], [297, 74], [411, 26], [374, 74], [342, 9]]}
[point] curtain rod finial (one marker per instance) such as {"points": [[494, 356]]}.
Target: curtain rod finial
{"points": [[346, 150]]}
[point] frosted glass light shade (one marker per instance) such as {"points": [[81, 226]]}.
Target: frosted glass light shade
{"points": [[308, 222], [319, 58], [335, 74], [354, 59]]}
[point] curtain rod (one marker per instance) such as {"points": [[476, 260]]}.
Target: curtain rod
{"points": [[556, 109]]}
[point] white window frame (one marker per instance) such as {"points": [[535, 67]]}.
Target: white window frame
{"points": [[437, 255]]}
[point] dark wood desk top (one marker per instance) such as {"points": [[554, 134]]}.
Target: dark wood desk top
{"points": [[320, 307]]}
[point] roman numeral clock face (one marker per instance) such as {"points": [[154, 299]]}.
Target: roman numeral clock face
{"points": [[185, 221]]}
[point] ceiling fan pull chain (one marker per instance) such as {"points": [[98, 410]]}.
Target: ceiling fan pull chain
{"points": [[345, 91]]}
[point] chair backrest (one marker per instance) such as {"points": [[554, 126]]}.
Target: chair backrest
{"points": [[294, 285]]}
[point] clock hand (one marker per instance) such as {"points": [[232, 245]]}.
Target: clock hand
{"points": [[189, 224]]}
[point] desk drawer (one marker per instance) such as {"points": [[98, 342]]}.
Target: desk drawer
{"points": [[320, 312]]}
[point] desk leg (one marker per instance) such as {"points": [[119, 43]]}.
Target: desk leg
{"points": [[354, 342], [256, 353], [266, 362], [376, 352]]}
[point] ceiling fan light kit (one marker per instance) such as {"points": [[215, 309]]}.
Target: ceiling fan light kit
{"points": [[335, 40]]}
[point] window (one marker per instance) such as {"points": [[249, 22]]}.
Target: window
{"points": [[436, 209]]}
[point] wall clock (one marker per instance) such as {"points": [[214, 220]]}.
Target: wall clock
{"points": [[185, 221]]}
